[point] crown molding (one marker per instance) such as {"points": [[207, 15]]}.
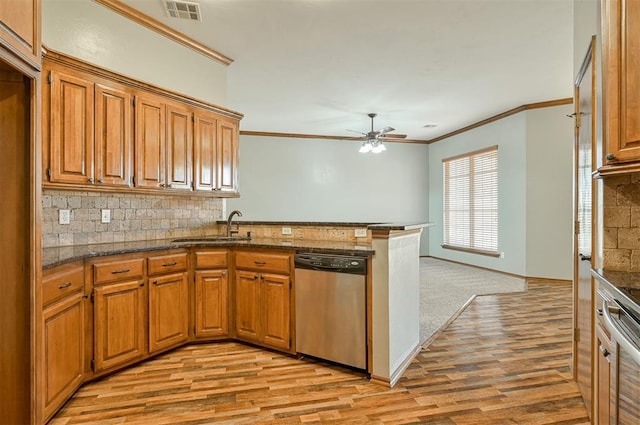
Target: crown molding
{"points": [[162, 29]]}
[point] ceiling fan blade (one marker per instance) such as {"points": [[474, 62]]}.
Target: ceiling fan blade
{"points": [[385, 130], [359, 132], [394, 136]]}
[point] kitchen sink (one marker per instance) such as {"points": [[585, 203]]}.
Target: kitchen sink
{"points": [[212, 239]]}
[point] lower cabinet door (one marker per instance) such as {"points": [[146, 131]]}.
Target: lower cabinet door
{"points": [[248, 305], [63, 354], [168, 310], [603, 375], [276, 305], [211, 294], [119, 324]]}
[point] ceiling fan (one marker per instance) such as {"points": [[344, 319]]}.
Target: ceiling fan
{"points": [[374, 138]]}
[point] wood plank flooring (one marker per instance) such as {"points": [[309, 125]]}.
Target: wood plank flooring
{"points": [[504, 360]]}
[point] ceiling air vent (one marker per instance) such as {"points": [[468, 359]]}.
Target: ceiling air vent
{"points": [[183, 9]]}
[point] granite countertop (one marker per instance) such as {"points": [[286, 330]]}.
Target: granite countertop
{"points": [[621, 284], [371, 226], [56, 256]]}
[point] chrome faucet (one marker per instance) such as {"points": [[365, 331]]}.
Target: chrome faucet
{"points": [[229, 220]]}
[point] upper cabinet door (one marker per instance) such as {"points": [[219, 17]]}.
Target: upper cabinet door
{"points": [[227, 156], [20, 22], [149, 142], [621, 44], [71, 132], [113, 139], [205, 151], [179, 139]]}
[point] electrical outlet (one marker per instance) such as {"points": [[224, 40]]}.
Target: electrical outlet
{"points": [[64, 216], [361, 233], [106, 216], [286, 230]]}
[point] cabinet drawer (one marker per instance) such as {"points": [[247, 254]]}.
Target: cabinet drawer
{"points": [[62, 281], [118, 270], [278, 263], [211, 259], [167, 263]]}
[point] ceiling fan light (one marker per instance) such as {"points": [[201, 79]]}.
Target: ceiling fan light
{"points": [[379, 147], [365, 147]]}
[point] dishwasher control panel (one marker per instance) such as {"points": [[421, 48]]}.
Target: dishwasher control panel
{"points": [[334, 263]]}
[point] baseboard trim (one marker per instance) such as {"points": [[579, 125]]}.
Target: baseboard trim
{"points": [[528, 279], [400, 370]]}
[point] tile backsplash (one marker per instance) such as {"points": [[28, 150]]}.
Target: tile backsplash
{"points": [[621, 222], [133, 217]]}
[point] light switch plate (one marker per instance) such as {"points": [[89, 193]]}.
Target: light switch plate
{"points": [[64, 216], [106, 216], [286, 230], [361, 233]]}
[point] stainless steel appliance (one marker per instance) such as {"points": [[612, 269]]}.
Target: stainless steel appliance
{"points": [[331, 315], [622, 321]]}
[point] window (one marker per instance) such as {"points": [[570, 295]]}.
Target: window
{"points": [[471, 202]]}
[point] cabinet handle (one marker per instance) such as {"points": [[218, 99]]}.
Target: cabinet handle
{"points": [[259, 263], [141, 284], [85, 296], [64, 285], [169, 264], [255, 276], [100, 181], [610, 157], [155, 282], [120, 271], [90, 180], [224, 273], [604, 351], [600, 312]]}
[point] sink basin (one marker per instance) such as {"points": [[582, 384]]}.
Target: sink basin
{"points": [[211, 239]]}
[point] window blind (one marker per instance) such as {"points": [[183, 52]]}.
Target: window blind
{"points": [[471, 201]]}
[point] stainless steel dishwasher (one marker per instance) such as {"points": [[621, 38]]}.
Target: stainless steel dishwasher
{"points": [[331, 315]]}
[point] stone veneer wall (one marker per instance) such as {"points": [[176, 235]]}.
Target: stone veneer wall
{"points": [[621, 222], [133, 217]]}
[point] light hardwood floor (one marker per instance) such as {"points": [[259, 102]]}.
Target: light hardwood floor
{"points": [[504, 360]]}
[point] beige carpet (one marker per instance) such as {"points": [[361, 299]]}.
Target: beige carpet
{"points": [[446, 287]]}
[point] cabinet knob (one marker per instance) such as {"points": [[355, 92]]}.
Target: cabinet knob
{"points": [[224, 273], [100, 181], [604, 351], [141, 284], [90, 180], [610, 157]]}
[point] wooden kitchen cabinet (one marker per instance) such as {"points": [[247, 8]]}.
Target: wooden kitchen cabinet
{"points": [[62, 348], [603, 375], [163, 144], [215, 153], [70, 117], [211, 294], [107, 132], [89, 134], [263, 299], [120, 313], [168, 301], [113, 136], [621, 82], [20, 27], [150, 142]]}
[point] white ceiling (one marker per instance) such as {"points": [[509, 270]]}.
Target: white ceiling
{"points": [[319, 66]]}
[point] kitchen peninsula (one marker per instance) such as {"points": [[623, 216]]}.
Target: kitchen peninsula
{"points": [[209, 293]]}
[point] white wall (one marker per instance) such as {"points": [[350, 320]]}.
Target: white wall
{"points": [[329, 180], [509, 135], [549, 151], [91, 32]]}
